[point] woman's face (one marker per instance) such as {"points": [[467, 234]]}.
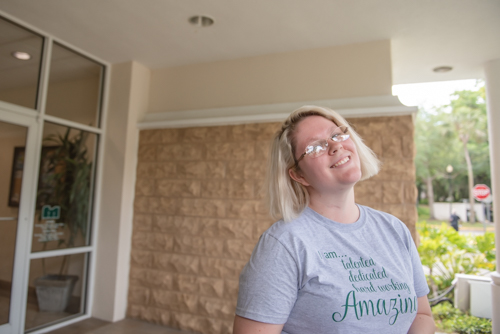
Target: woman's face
{"points": [[337, 169]]}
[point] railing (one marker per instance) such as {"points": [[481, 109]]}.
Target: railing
{"points": [[442, 297]]}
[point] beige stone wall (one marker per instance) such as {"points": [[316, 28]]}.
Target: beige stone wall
{"points": [[199, 212], [393, 190]]}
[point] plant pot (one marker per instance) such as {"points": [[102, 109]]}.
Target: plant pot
{"points": [[54, 292]]}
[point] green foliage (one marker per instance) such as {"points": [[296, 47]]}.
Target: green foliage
{"points": [[440, 136], [445, 253], [469, 114], [69, 171], [423, 212], [486, 245], [435, 144], [469, 120], [450, 319], [444, 311]]}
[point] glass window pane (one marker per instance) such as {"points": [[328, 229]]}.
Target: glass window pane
{"points": [[12, 144], [65, 183], [19, 76], [56, 289], [75, 84]]}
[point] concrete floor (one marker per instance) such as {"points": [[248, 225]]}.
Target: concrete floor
{"points": [[127, 326]]}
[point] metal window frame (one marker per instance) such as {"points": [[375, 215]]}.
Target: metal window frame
{"points": [[39, 116]]}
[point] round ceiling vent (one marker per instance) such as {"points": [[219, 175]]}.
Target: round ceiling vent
{"points": [[201, 21]]}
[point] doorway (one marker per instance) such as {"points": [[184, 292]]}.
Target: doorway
{"points": [[51, 99], [17, 175]]}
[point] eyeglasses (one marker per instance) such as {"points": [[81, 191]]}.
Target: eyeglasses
{"points": [[318, 148]]}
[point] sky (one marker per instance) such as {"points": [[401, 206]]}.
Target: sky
{"points": [[431, 94]]}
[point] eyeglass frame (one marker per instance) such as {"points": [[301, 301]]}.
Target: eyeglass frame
{"points": [[330, 137]]}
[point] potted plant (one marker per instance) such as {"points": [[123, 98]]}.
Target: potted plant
{"points": [[68, 171]]}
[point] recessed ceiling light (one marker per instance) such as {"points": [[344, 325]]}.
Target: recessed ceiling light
{"points": [[201, 21], [442, 69], [21, 55]]}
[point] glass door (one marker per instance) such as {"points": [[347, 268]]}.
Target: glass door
{"points": [[61, 236], [51, 101], [17, 175]]}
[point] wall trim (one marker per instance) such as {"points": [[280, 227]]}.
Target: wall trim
{"points": [[370, 106]]}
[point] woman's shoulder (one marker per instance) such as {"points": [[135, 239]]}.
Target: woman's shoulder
{"points": [[379, 214], [297, 227], [381, 219]]}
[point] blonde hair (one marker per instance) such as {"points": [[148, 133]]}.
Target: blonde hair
{"points": [[286, 197]]}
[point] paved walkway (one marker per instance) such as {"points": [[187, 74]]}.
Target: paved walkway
{"points": [[127, 326]]}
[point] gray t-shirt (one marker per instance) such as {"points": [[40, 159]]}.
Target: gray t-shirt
{"points": [[318, 276]]}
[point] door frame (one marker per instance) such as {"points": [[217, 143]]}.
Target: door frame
{"points": [[35, 119], [25, 215]]}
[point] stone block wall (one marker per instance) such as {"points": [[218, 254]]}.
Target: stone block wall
{"points": [[393, 190], [199, 212]]}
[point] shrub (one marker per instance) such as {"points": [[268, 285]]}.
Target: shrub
{"points": [[445, 253], [424, 201], [423, 212], [469, 324], [486, 244], [450, 319], [444, 311]]}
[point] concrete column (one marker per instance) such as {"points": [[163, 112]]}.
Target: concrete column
{"points": [[492, 71], [128, 101]]}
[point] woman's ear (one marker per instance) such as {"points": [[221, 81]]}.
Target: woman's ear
{"points": [[297, 176]]}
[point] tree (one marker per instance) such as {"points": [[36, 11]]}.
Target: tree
{"points": [[469, 121], [455, 134], [436, 149]]}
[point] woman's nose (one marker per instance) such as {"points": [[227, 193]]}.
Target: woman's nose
{"points": [[334, 146]]}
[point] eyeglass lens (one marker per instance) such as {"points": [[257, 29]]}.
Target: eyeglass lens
{"points": [[318, 148]]}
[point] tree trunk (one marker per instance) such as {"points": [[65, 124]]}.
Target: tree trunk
{"points": [[471, 182], [430, 197]]}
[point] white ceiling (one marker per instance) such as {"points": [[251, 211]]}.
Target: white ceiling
{"points": [[424, 33]]}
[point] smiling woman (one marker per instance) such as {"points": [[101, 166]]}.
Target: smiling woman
{"points": [[289, 201], [301, 277]]}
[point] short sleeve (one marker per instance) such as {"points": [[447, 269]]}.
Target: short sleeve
{"points": [[419, 281], [268, 283]]}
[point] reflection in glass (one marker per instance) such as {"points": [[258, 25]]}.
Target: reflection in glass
{"points": [[18, 77], [64, 193], [75, 84], [12, 139], [53, 297]]}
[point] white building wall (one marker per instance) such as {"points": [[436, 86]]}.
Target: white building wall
{"points": [[442, 211]]}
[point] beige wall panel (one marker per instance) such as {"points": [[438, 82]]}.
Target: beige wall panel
{"points": [[197, 217], [328, 73]]}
